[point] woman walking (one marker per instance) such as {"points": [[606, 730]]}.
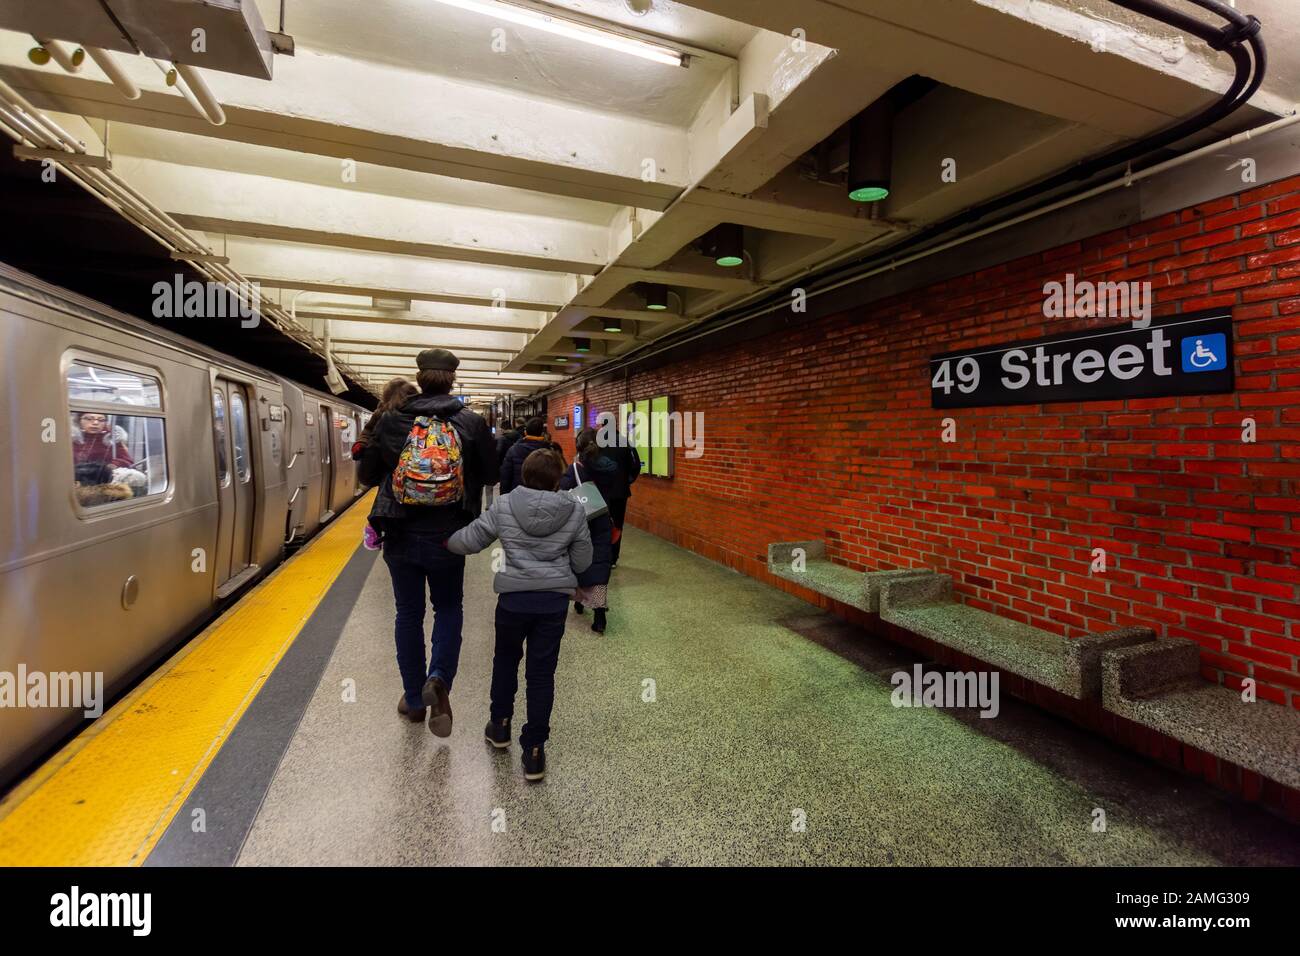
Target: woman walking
{"points": [[591, 464], [628, 463]]}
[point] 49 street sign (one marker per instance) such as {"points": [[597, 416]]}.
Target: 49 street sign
{"points": [[1177, 355]]}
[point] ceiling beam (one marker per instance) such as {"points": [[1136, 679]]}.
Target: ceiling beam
{"points": [[226, 202], [368, 112], [389, 348], [373, 243], [291, 265], [419, 295], [421, 320], [419, 337]]}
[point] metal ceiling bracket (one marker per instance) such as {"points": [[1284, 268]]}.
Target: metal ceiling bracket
{"points": [[66, 157]]}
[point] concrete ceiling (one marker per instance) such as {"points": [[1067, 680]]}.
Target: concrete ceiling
{"points": [[427, 37], [1279, 18], [509, 199]]}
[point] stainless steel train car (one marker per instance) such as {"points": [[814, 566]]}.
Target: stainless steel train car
{"points": [[146, 479]]}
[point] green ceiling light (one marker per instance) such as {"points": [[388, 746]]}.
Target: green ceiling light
{"points": [[656, 296], [613, 325], [582, 345], [725, 244], [869, 194], [871, 152]]}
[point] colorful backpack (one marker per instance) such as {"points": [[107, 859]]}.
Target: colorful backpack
{"points": [[429, 469]]}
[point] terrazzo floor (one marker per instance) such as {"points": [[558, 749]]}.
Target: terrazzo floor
{"points": [[765, 714]]}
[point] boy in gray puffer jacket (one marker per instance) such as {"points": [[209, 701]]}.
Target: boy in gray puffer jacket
{"points": [[546, 542]]}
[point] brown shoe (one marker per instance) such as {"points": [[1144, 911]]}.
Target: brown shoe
{"points": [[414, 716], [439, 704]]}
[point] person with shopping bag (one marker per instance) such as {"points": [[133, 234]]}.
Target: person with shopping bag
{"points": [[593, 478]]}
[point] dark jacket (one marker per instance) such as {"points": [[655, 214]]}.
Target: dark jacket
{"points": [[366, 437], [512, 465], [607, 479], [544, 537], [379, 458], [628, 463], [505, 440]]}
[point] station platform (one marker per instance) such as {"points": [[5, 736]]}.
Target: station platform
{"points": [[272, 739]]}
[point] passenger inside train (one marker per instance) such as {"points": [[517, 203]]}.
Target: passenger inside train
{"points": [[115, 457]]}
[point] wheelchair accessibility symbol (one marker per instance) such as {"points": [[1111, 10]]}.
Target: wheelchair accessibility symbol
{"points": [[1205, 353]]}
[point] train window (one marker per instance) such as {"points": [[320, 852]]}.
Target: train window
{"points": [[90, 383], [117, 457], [118, 434], [239, 432], [219, 420], [349, 429]]}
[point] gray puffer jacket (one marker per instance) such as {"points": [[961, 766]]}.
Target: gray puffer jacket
{"points": [[545, 537]]}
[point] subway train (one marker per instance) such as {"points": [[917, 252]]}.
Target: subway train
{"points": [[147, 480]]}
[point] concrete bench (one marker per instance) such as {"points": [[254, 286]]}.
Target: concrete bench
{"points": [[1159, 685], [854, 588], [1071, 666]]}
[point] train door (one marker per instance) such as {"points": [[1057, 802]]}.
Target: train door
{"points": [[235, 484], [325, 427]]}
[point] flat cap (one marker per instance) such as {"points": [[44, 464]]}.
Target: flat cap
{"points": [[439, 359]]}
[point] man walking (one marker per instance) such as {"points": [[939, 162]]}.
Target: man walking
{"points": [[431, 459]]}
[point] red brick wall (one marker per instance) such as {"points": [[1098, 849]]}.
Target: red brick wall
{"points": [[826, 431]]}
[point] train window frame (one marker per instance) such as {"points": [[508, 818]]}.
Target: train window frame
{"points": [[327, 446], [345, 422], [222, 441], [245, 474], [161, 411]]}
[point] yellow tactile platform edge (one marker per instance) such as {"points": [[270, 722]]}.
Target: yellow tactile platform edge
{"points": [[107, 797]]}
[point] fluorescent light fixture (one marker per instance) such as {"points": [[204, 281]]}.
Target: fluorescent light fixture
{"points": [[529, 17]]}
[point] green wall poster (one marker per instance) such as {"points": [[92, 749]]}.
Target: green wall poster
{"points": [[661, 437], [648, 423]]}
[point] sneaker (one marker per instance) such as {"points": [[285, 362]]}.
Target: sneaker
{"points": [[371, 539], [497, 733], [577, 606], [435, 698], [535, 763], [414, 716], [598, 625]]}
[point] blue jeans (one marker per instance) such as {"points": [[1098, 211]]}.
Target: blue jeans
{"points": [[415, 560]]}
